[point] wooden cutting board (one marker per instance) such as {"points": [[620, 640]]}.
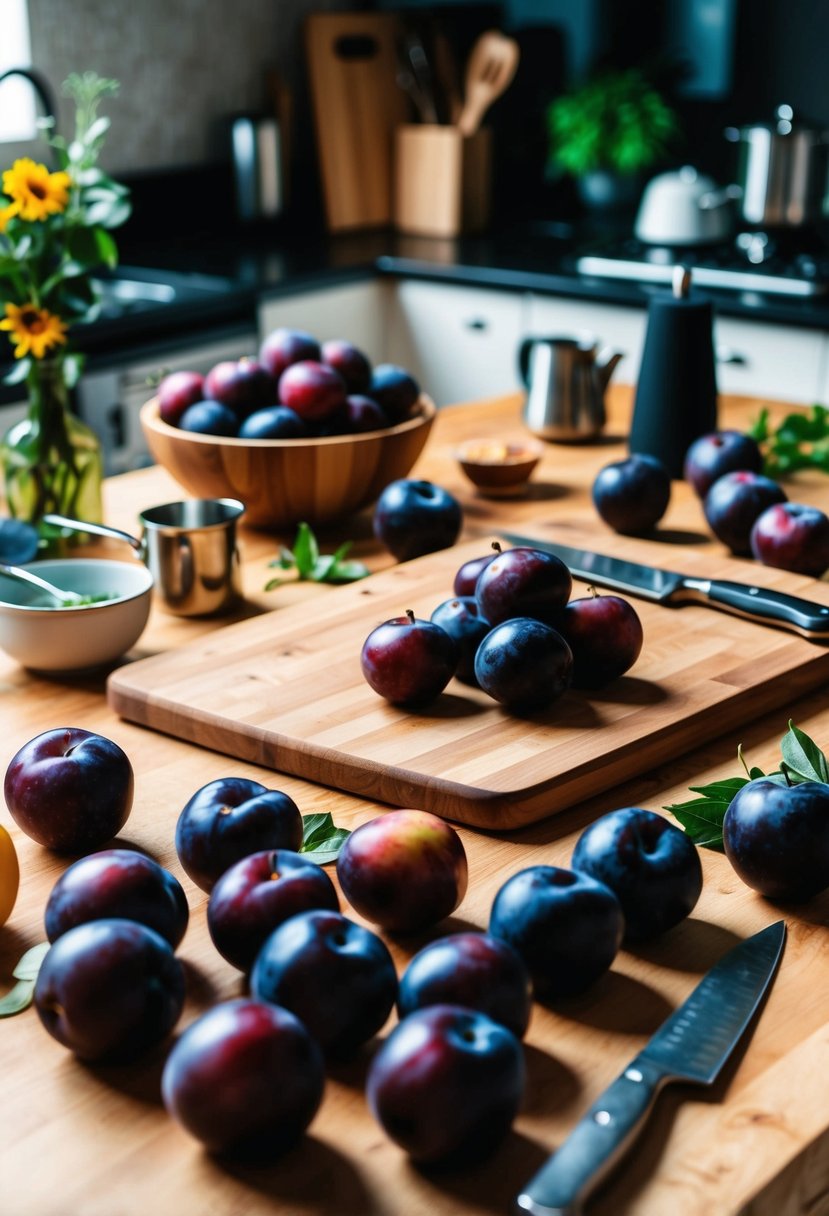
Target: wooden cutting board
{"points": [[285, 690], [352, 73]]}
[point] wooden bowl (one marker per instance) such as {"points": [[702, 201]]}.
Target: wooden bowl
{"points": [[499, 469], [283, 482]]}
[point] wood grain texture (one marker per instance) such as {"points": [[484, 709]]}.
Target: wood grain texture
{"points": [[442, 182], [289, 694], [95, 1141], [357, 105], [284, 481]]}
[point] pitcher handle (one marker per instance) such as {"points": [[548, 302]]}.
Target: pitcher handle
{"points": [[524, 352]]}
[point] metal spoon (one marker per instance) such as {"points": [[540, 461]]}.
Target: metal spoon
{"points": [[67, 599]]}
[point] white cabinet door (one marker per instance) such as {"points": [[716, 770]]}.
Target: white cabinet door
{"points": [[354, 311], [620, 328], [461, 343], [757, 360]]}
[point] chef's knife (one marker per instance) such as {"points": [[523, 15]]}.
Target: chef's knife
{"points": [[805, 617], [692, 1045]]}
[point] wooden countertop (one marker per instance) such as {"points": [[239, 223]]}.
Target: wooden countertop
{"points": [[79, 1140]]}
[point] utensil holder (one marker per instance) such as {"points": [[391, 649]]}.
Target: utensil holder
{"points": [[442, 180]]}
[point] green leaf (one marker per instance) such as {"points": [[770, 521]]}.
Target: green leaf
{"points": [[19, 372], [17, 998], [322, 567], [29, 965], [322, 839], [273, 583], [702, 818], [802, 756], [348, 572], [306, 551], [106, 247]]}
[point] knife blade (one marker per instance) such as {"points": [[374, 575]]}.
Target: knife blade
{"points": [[667, 587], [692, 1045]]}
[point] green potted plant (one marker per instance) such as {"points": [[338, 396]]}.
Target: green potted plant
{"points": [[607, 132]]}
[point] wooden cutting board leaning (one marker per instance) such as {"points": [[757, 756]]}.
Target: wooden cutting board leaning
{"points": [[286, 691]]}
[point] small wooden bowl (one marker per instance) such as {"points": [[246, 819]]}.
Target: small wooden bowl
{"points": [[500, 469], [283, 482]]}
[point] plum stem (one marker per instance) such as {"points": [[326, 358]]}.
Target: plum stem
{"points": [[496, 545], [593, 591], [410, 615]]}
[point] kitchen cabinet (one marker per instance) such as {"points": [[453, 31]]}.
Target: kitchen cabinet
{"points": [[757, 360], [461, 343], [621, 328], [356, 311]]}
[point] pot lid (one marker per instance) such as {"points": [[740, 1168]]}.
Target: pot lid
{"points": [[784, 123]]}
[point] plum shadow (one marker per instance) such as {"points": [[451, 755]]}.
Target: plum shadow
{"points": [[490, 1185], [693, 945], [617, 1003], [312, 1175], [630, 690], [551, 1085]]}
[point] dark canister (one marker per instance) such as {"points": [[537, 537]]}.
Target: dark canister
{"points": [[676, 393]]}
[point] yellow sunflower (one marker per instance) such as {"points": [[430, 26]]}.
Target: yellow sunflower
{"points": [[6, 214], [37, 192], [35, 330]]}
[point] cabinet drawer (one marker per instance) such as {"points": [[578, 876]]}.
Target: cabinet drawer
{"points": [[757, 360], [460, 342]]}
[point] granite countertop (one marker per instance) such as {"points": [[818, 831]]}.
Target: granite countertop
{"points": [[217, 283]]}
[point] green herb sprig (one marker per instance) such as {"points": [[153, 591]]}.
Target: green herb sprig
{"points": [[22, 994], [800, 441], [702, 817], [311, 565], [321, 838]]}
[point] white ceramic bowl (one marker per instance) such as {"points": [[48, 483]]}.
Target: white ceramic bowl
{"points": [[71, 639]]}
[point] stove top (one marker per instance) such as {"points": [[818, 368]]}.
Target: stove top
{"points": [[754, 262]]}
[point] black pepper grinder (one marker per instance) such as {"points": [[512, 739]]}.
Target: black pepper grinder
{"points": [[676, 394]]}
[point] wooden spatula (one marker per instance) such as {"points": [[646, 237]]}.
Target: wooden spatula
{"points": [[491, 66]]}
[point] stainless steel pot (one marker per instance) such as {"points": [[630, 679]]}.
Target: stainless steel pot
{"points": [[257, 166], [782, 171]]}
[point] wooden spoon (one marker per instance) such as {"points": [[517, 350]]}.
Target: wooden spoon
{"points": [[491, 66]]}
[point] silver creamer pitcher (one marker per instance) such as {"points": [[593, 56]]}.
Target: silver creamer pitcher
{"points": [[565, 378]]}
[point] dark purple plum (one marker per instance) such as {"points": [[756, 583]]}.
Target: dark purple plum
{"points": [[283, 347], [405, 870], [632, 495], [712, 456], [70, 789], [273, 422], [243, 385], [395, 389], [245, 1079], [733, 505], [413, 517], [470, 969], [210, 418], [336, 976], [363, 414], [313, 390], [792, 536], [605, 635], [259, 893], [109, 989], [408, 661], [566, 926], [523, 582], [777, 838], [524, 664], [462, 620], [351, 363], [118, 883], [229, 819], [466, 578], [651, 866], [447, 1084], [176, 392]]}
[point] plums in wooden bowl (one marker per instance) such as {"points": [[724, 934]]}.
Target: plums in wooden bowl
{"points": [[285, 481]]}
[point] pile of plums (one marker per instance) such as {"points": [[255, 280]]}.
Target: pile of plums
{"points": [[745, 510], [510, 629], [297, 388]]}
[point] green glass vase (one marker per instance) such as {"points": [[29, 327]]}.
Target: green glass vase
{"points": [[51, 460]]}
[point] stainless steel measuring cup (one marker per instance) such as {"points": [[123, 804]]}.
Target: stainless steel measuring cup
{"points": [[190, 549]]}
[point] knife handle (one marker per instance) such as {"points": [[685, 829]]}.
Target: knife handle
{"points": [[594, 1146], [802, 616]]}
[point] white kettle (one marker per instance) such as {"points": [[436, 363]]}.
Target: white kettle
{"points": [[684, 207]]}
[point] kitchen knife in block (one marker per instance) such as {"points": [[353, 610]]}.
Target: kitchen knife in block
{"points": [[691, 1046]]}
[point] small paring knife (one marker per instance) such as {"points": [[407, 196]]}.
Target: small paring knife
{"points": [[809, 619], [691, 1046]]}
